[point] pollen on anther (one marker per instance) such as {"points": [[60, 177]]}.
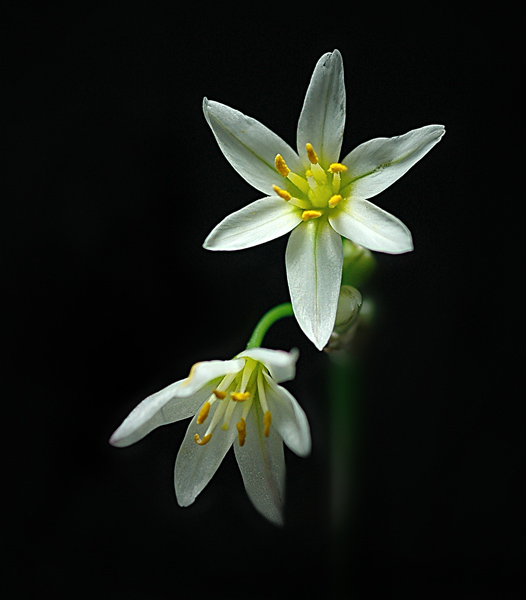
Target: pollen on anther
{"points": [[219, 394], [282, 193], [334, 200], [241, 431], [281, 165], [311, 154], [337, 168], [203, 413], [240, 396], [310, 214], [205, 440], [267, 420]]}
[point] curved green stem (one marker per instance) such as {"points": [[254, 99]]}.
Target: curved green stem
{"points": [[268, 319]]}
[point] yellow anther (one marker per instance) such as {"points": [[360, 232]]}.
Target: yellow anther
{"points": [[310, 214], [241, 431], [308, 173], [281, 165], [267, 420], [240, 396], [334, 200], [203, 413], [337, 168], [311, 155], [203, 441], [282, 193], [218, 394]]}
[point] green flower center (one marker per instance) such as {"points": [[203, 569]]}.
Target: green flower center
{"points": [[316, 190], [244, 387]]}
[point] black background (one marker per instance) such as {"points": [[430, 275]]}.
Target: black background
{"points": [[113, 180]]}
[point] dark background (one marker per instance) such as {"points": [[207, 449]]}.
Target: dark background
{"points": [[113, 180]]}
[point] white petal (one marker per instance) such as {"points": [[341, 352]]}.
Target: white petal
{"points": [[322, 118], [364, 223], [288, 418], [158, 409], [207, 370], [375, 165], [281, 364], [249, 146], [262, 465], [257, 223], [314, 260], [195, 465]]}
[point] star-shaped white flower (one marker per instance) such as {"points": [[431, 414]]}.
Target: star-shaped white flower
{"points": [[312, 195], [230, 400]]}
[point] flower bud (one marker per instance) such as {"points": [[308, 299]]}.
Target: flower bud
{"points": [[358, 264], [349, 303]]}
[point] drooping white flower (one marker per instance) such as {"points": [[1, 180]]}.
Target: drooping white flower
{"points": [[312, 195], [235, 402]]}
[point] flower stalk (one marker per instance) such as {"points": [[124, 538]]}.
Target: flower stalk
{"points": [[266, 321], [345, 395]]}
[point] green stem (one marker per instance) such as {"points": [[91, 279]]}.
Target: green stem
{"points": [[345, 392], [268, 319]]}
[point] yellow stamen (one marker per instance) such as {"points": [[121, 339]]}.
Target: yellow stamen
{"points": [[203, 441], [219, 394], [267, 420], [203, 413], [281, 165], [282, 193], [337, 168], [334, 200], [241, 431], [311, 155], [240, 396], [310, 214]]}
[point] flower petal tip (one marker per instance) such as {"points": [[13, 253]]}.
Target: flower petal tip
{"points": [[320, 345], [184, 498], [279, 521], [115, 439], [317, 340]]}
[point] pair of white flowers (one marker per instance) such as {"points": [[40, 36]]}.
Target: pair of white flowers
{"points": [[318, 199]]}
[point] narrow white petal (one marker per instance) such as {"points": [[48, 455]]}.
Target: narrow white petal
{"points": [[195, 465], [158, 409], [375, 165], [314, 258], [322, 118], [207, 370], [288, 418], [259, 222], [364, 223], [262, 464], [281, 364], [249, 146]]}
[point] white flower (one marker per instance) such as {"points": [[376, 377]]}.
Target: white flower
{"points": [[312, 195], [230, 400]]}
